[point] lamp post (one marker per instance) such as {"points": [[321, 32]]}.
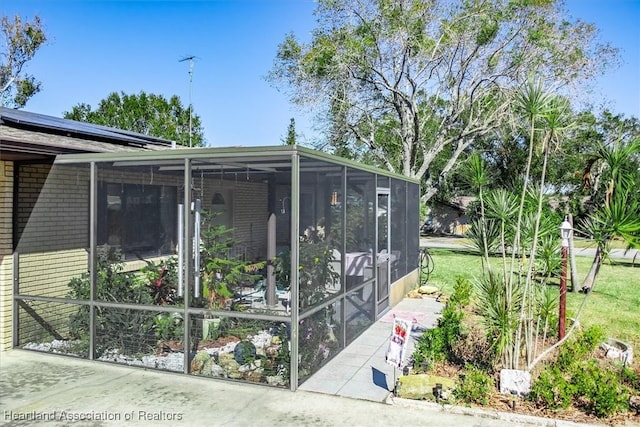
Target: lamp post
{"points": [[565, 233]]}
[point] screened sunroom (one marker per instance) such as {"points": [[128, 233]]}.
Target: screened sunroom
{"points": [[256, 264]]}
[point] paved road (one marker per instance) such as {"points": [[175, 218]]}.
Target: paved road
{"points": [[456, 242]]}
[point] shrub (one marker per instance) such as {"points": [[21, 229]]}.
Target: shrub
{"points": [[573, 379], [125, 329], [436, 344], [600, 389], [473, 347], [630, 378], [169, 326], [577, 349], [475, 386], [429, 348], [551, 390], [461, 292]]}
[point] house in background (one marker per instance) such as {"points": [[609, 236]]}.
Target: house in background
{"points": [[337, 239], [450, 217]]}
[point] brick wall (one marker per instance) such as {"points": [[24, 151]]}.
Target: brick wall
{"points": [[249, 209], [53, 210], [6, 251], [53, 229], [250, 218]]}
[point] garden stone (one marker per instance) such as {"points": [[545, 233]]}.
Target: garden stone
{"points": [[229, 347], [616, 349], [254, 376], [275, 380], [230, 366], [272, 351], [234, 374], [201, 363], [217, 371], [244, 352], [261, 341], [515, 382], [420, 386]]}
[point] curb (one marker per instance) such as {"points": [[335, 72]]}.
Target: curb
{"points": [[508, 417]]}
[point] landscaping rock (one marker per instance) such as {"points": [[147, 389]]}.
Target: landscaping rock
{"points": [[420, 386], [275, 380], [619, 350], [202, 363], [428, 290], [244, 352], [515, 382]]}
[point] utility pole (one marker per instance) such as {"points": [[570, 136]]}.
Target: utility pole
{"points": [[190, 58]]}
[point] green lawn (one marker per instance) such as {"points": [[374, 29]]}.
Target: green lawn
{"points": [[614, 303]]}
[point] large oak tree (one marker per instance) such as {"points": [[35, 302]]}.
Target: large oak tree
{"points": [[410, 85]]}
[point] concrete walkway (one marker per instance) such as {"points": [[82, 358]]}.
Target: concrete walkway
{"points": [[353, 389], [360, 370]]}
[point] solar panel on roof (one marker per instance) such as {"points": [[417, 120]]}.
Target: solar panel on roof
{"points": [[65, 125]]}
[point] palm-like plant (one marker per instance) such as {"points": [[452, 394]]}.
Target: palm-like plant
{"points": [[502, 206], [499, 310], [533, 102], [619, 214], [476, 175]]}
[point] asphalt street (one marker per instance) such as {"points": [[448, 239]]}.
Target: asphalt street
{"points": [[458, 243]]}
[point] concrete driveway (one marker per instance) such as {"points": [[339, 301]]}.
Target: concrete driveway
{"points": [[48, 390]]}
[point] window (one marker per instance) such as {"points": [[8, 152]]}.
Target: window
{"points": [[138, 219]]}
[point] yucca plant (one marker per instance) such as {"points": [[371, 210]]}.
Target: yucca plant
{"points": [[500, 311]]}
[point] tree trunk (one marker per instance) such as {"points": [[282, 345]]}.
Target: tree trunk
{"points": [[593, 271], [572, 260]]}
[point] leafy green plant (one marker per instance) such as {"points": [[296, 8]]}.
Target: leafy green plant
{"points": [[315, 272], [577, 349], [548, 257], [475, 386], [169, 326], [125, 329], [599, 390], [163, 280], [462, 290], [436, 344], [577, 379], [500, 306], [222, 273], [552, 390]]}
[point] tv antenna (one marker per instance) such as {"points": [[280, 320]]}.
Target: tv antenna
{"points": [[189, 58]]}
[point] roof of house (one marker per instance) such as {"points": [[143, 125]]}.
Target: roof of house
{"points": [[460, 203], [30, 135]]}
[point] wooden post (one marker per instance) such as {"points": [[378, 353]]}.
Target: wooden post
{"points": [[563, 294]]}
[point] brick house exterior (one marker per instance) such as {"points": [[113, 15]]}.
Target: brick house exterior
{"points": [[29, 143]]}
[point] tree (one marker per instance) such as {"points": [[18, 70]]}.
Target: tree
{"points": [[291, 133], [20, 42], [148, 114], [410, 80], [618, 214]]}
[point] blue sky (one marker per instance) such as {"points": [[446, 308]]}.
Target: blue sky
{"points": [[98, 47]]}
